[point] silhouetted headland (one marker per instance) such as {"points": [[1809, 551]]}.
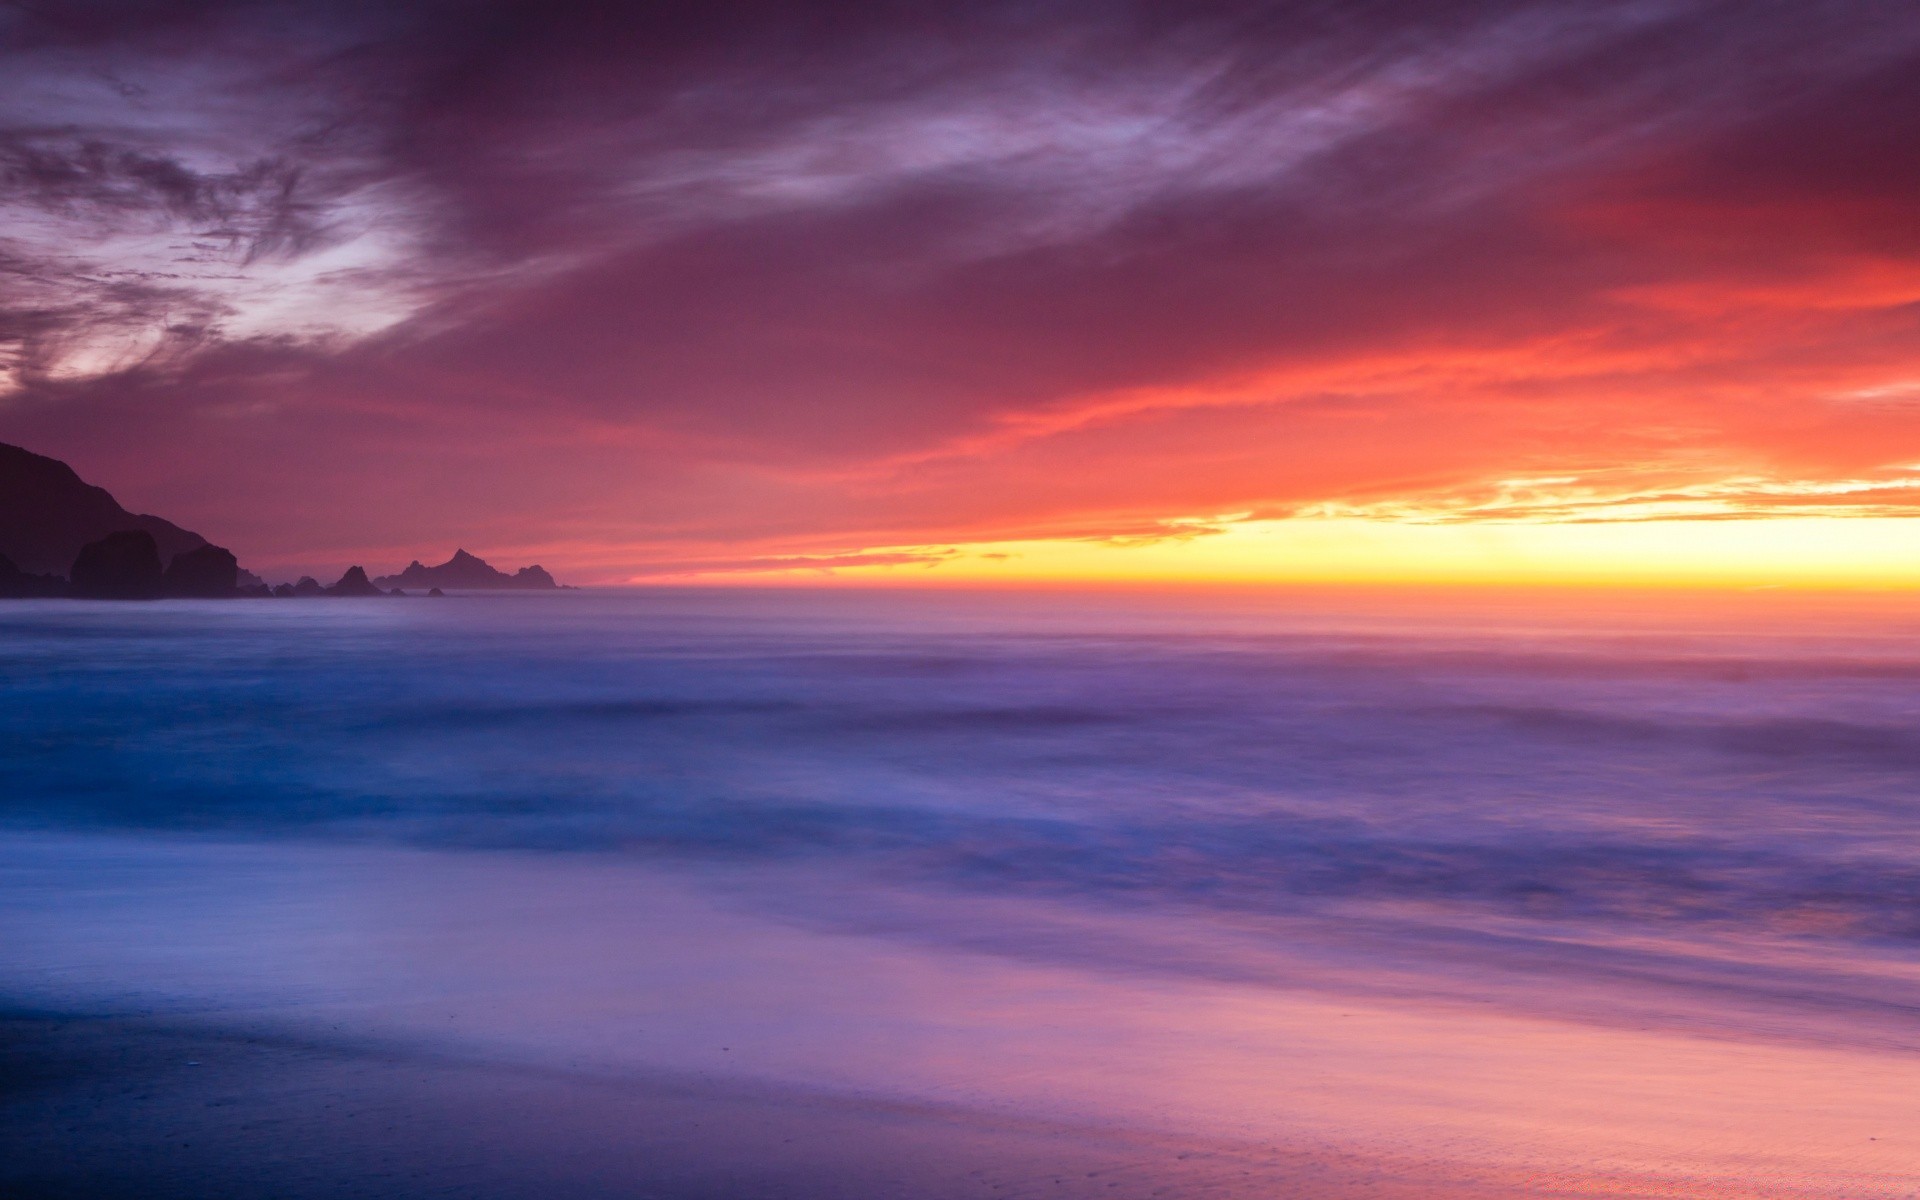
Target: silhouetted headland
{"points": [[63, 537], [47, 513]]}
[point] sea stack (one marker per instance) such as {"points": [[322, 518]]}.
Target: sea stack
{"points": [[209, 572], [355, 583], [120, 566]]}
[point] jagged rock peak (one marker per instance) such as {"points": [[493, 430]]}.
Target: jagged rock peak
{"points": [[355, 583], [466, 570]]}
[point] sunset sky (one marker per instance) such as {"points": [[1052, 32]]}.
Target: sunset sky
{"points": [[1394, 291]]}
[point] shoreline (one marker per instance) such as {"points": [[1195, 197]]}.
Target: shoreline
{"points": [[106, 1107]]}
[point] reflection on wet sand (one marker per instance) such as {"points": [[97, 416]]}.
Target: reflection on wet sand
{"points": [[596, 973]]}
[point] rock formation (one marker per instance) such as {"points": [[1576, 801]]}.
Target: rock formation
{"points": [[355, 583], [465, 570], [47, 513], [16, 584], [208, 571], [120, 566], [53, 521]]}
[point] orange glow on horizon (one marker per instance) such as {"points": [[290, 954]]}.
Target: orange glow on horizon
{"points": [[1810, 552]]}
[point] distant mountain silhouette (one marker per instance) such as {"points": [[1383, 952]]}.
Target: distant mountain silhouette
{"points": [[47, 513], [464, 570], [62, 536]]}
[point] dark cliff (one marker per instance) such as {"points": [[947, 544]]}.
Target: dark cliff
{"points": [[47, 513]]}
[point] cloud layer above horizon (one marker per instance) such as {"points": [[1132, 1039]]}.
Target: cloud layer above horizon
{"points": [[641, 289]]}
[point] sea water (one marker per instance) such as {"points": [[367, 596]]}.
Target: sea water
{"points": [[1606, 897]]}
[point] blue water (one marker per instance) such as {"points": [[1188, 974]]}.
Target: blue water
{"points": [[1673, 780], [1700, 822]]}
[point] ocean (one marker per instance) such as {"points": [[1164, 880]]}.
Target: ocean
{"points": [[913, 892]]}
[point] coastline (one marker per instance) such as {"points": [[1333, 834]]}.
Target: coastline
{"points": [[122, 1106]]}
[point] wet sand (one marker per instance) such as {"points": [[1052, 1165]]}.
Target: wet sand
{"points": [[108, 1107], [525, 1026]]}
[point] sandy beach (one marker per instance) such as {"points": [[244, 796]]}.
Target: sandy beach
{"points": [[125, 1107]]}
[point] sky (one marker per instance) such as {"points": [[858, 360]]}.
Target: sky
{"points": [[1215, 292]]}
